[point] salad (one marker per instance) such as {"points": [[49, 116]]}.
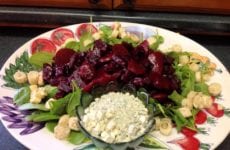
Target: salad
{"points": [[72, 69]]}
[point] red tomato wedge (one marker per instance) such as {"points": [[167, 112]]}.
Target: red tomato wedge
{"points": [[215, 111], [188, 132], [42, 44], [201, 117], [84, 28], [60, 35], [187, 143]]}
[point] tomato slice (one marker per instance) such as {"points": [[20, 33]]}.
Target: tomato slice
{"points": [[60, 35], [42, 44], [187, 143], [201, 117], [188, 132], [215, 111], [84, 28]]}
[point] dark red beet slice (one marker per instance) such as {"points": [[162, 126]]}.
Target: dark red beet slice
{"points": [[135, 67], [86, 72], [141, 51], [120, 51], [160, 96], [102, 79], [63, 56], [157, 60]]}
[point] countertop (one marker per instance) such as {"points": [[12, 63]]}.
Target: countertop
{"points": [[11, 38]]}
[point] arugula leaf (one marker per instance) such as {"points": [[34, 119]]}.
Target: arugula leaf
{"points": [[22, 96], [176, 97], [107, 30], [106, 36], [40, 58], [202, 87], [30, 106], [179, 119], [156, 44], [76, 138], [130, 41], [187, 78]]}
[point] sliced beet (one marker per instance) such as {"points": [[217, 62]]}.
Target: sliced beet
{"points": [[100, 45], [47, 72], [63, 56], [86, 72], [76, 60], [141, 51], [138, 82], [102, 79], [135, 67], [157, 60], [93, 56], [162, 97], [120, 50]]}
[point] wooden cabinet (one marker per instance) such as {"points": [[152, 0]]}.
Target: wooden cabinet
{"points": [[201, 6], [97, 4]]}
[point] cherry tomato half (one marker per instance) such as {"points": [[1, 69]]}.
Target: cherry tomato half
{"points": [[59, 36], [42, 44]]}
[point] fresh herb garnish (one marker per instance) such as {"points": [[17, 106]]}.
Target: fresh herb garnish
{"points": [[22, 64]]}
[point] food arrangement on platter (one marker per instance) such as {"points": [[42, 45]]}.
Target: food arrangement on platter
{"points": [[112, 86]]}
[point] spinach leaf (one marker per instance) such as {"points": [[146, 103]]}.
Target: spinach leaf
{"points": [[30, 106], [76, 138], [74, 101], [51, 125], [87, 36], [86, 99], [74, 45], [42, 117], [51, 91], [59, 107], [40, 58], [22, 96]]}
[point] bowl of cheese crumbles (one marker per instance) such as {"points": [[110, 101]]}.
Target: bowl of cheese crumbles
{"points": [[115, 120]]}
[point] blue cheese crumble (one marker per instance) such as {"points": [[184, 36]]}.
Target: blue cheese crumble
{"points": [[116, 117]]}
